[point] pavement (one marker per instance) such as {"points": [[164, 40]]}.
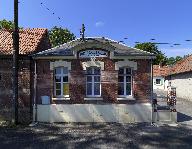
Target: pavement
{"points": [[96, 135], [103, 135], [183, 106]]}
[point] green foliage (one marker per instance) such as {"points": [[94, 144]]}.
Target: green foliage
{"points": [[58, 35], [152, 48], [8, 25], [4, 24], [172, 60]]}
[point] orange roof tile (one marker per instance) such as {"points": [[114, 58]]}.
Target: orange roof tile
{"points": [[184, 65], [160, 71], [31, 40]]}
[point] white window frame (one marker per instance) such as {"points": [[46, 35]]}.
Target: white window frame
{"points": [[125, 82], [93, 82], [60, 75]]}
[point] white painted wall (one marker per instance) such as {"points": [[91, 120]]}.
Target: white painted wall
{"points": [[156, 86], [183, 84], [121, 113]]}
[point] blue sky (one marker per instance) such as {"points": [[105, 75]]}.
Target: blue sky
{"points": [[138, 20]]}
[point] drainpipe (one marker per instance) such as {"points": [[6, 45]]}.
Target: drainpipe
{"points": [[35, 90], [152, 90]]}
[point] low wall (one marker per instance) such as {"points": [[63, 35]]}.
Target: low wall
{"points": [[121, 113], [183, 84]]}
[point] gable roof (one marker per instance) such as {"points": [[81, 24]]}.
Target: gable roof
{"points": [[120, 49], [31, 40], [184, 65], [160, 71]]}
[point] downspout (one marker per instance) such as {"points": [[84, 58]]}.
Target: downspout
{"points": [[35, 90], [152, 90]]}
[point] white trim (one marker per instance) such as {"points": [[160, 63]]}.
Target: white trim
{"points": [[125, 98], [126, 63], [93, 98], [93, 64], [93, 83], [124, 75], [60, 63], [62, 98], [61, 82]]}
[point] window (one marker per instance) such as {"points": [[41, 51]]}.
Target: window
{"points": [[158, 81], [125, 82], [61, 82], [93, 84]]}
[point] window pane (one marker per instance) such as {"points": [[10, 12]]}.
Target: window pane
{"points": [[128, 78], [65, 89], [65, 70], [58, 70], [57, 79], [158, 81], [97, 89], [58, 86], [89, 70], [128, 89], [121, 89], [89, 78], [65, 79], [96, 78], [97, 70], [121, 78], [58, 92], [89, 89], [121, 71], [128, 70]]}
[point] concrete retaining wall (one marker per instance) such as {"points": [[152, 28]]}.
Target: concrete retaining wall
{"points": [[121, 113]]}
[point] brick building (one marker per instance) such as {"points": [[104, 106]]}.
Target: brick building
{"points": [[31, 40], [93, 80]]}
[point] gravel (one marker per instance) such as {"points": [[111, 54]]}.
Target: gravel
{"points": [[96, 135]]}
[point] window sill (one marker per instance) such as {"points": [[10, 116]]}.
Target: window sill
{"points": [[93, 98], [126, 98], [61, 98]]}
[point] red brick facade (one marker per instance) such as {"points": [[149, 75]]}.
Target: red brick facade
{"points": [[25, 88], [109, 82]]}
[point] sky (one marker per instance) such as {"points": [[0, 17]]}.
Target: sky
{"points": [[137, 20]]}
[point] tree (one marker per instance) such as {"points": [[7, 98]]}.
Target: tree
{"points": [[58, 35], [170, 61], [152, 48], [178, 58], [8, 25]]}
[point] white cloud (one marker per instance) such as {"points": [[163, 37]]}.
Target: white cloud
{"points": [[99, 24]]}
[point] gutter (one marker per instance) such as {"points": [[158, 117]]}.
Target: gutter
{"points": [[35, 90], [152, 90]]}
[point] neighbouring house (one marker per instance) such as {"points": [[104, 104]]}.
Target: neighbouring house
{"points": [[93, 80], [159, 74], [31, 40], [180, 76]]}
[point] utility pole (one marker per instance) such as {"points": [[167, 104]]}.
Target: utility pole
{"points": [[15, 63]]}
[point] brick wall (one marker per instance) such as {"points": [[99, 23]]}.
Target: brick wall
{"points": [[6, 93], [109, 81]]}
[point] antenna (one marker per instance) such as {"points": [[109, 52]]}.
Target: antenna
{"points": [[82, 32]]}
